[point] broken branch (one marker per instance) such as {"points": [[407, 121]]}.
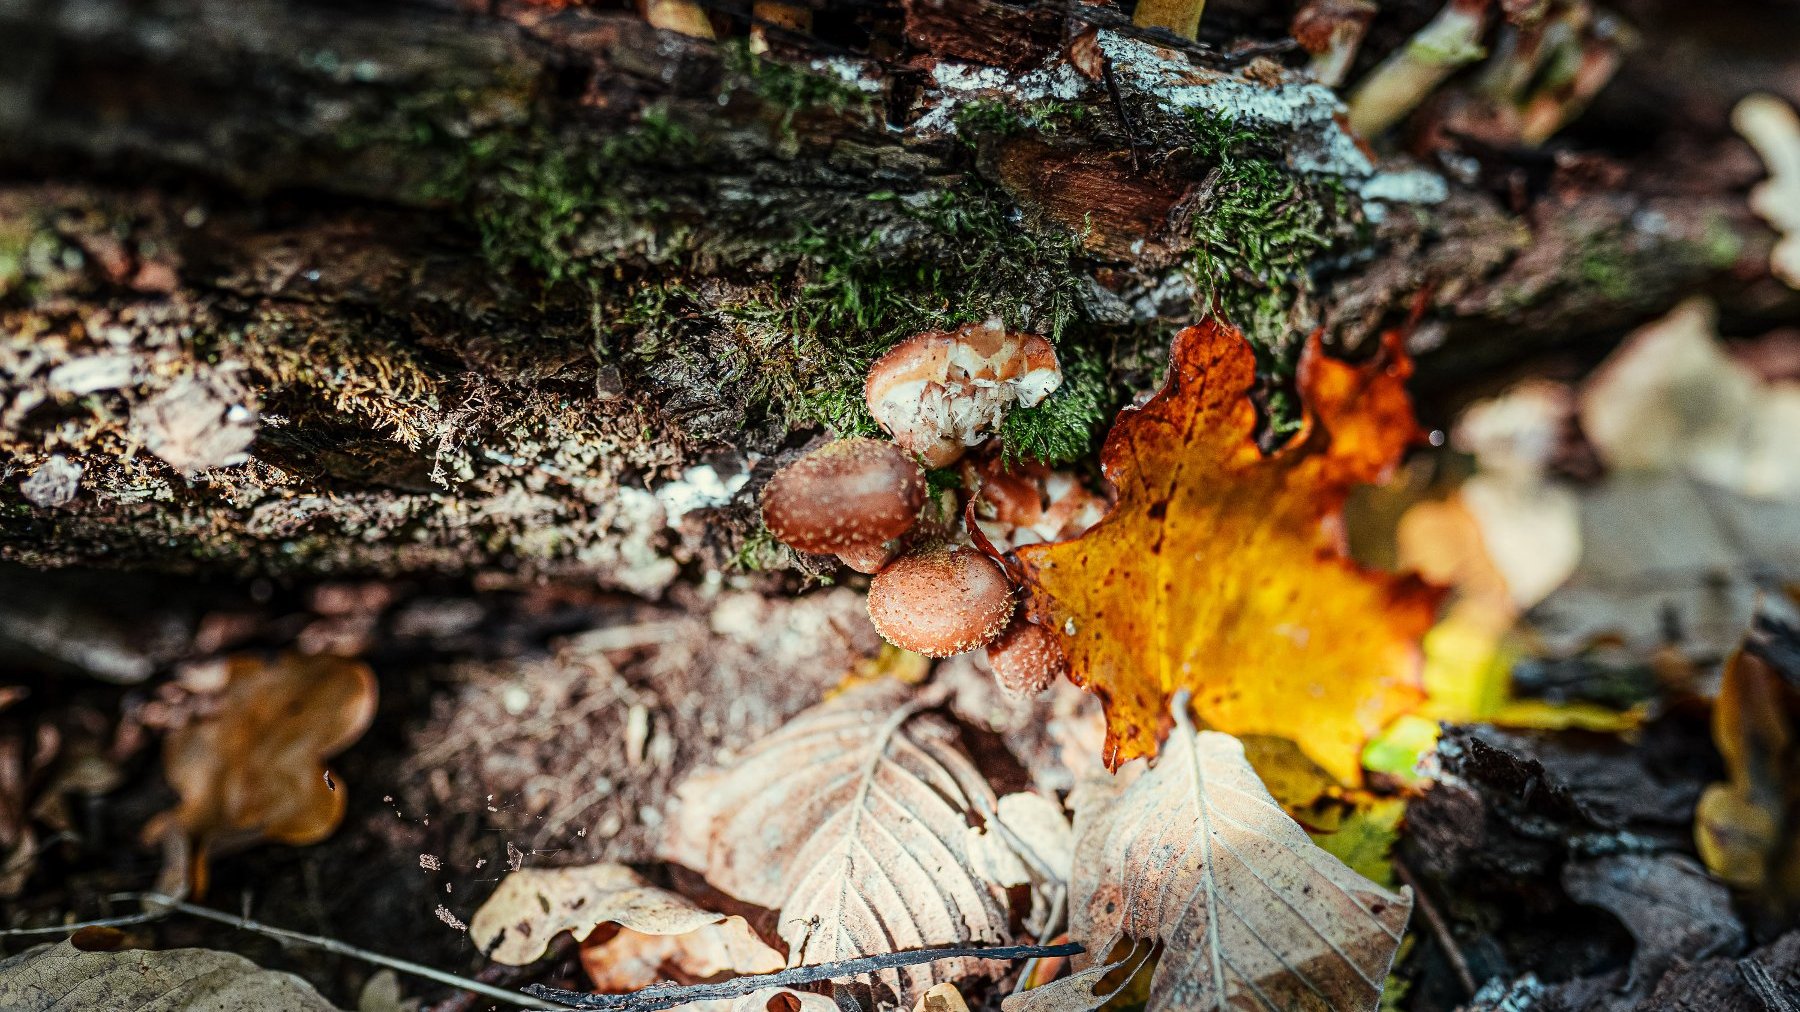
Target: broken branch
{"points": [[663, 996]]}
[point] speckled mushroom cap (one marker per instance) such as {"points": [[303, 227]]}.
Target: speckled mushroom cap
{"points": [[843, 496], [1026, 657], [939, 601], [939, 392]]}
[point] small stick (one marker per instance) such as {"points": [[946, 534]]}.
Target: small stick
{"points": [[1439, 928], [341, 948], [662, 996]]}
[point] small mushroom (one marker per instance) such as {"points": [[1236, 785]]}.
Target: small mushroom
{"points": [[1179, 16], [683, 16], [1026, 657], [1413, 72], [848, 496], [1332, 30], [868, 558], [1025, 503], [939, 600], [937, 393]]}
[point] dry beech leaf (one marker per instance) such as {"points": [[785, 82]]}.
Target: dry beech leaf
{"points": [[252, 765], [55, 978], [630, 960], [942, 998], [1194, 853], [863, 824], [533, 904], [1222, 571]]}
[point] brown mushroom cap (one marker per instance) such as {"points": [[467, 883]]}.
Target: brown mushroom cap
{"points": [[939, 601], [1026, 658], [867, 558], [939, 392], [848, 495]]}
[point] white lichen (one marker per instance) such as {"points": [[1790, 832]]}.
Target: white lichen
{"points": [[1306, 112]]}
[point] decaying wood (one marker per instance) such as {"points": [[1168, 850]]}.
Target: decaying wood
{"points": [[470, 287]]}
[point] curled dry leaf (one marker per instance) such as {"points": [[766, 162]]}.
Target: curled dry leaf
{"points": [[1222, 571], [251, 766], [656, 926], [54, 978], [1195, 854], [1696, 517], [1744, 827], [863, 824]]}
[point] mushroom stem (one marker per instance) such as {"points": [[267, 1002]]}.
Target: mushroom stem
{"points": [[682, 16], [1588, 59], [1332, 31], [1451, 40], [1179, 16], [766, 14]]}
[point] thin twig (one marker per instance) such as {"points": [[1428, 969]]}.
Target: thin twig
{"points": [[662, 996], [127, 920], [157, 906], [344, 949], [1440, 928]]}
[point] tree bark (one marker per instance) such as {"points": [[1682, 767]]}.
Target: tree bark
{"points": [[305, 288]]}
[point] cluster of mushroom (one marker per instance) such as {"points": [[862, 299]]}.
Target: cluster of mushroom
{"points": [[867, 501]]}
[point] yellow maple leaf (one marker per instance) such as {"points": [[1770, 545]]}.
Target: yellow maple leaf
{"points": [[1222, 570]]}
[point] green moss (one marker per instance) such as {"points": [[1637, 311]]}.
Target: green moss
{"points": [[1607, 272], [787, 87], [533, 198], [760, 552], [1256, 243], [1722, 244], [934, 262], [992, 118]]}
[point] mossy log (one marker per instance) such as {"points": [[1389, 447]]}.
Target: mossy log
{"points": [[303, 288]]}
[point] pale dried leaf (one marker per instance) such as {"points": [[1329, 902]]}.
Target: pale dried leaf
{"points": [[630, 960], [1074, 993], [1671, 399], [533, 904], [852, 820], [1038, 824], [942, 998], [1195, 853], [783, 999], [60, 977]]}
